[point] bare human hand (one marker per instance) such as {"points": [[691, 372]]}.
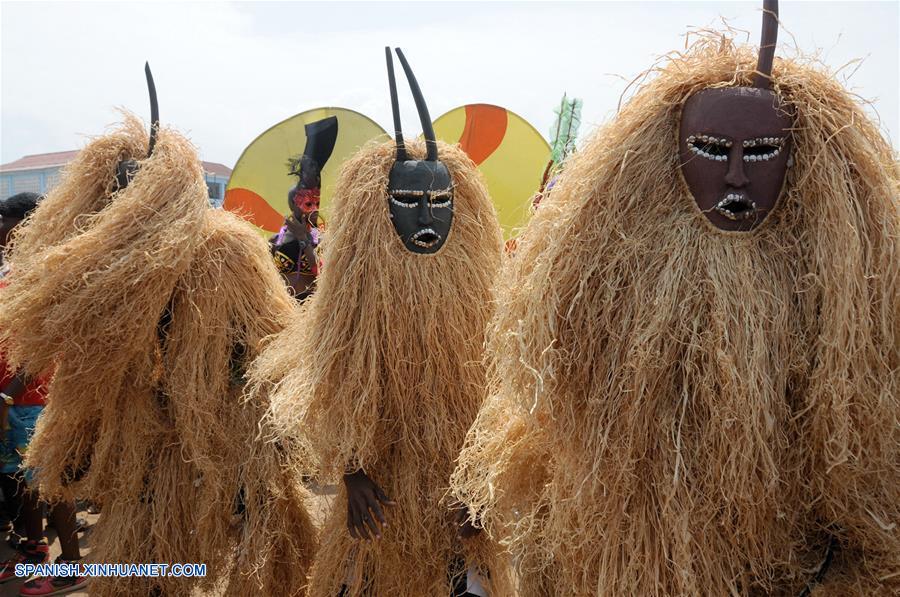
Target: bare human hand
{"points": [[365, 517], [297, 229]]}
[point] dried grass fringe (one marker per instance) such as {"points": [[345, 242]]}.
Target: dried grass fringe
{"points": [[159, 434], [233, 296], [392, 376], [84, 189], [680, 412], [89, 301]]}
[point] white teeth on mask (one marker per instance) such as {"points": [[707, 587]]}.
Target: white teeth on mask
{"points": [[748, 212], [426, 245]]}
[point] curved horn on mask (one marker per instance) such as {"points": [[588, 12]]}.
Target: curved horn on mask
{"points": [[424, 118], [395, 107], [126, 169], [154, 108], [763, 77]]}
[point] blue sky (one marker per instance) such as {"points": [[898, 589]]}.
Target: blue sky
{"points": [[227, 71]]}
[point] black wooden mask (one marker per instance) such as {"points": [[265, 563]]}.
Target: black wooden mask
{"points": [[420, 192]]}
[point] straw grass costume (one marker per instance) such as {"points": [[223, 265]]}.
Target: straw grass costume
{"points": [[149, 305], [682, 410], [398, 324]]}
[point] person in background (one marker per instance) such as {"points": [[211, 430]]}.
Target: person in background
{"points": [[12, 211], [294, 247], [22, 402]]}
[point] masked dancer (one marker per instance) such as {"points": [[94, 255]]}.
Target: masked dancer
{"points": [[294, 247], [695, 386], [149, 305], [398, 323]]}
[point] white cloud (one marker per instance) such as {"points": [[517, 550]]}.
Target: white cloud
{"points": [[227, 72]]}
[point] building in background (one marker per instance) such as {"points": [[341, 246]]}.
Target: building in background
{"points": [[40, 172]]}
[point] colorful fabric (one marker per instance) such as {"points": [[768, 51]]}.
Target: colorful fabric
{"points": [[35, 393], [17, 436], [288, 252]]}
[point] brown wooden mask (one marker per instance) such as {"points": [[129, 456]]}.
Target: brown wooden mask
{"points": [[734, 144]]}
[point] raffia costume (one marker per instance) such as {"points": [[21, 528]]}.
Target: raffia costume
{"points": [[397, 378], [149, 304], [678, 410]]}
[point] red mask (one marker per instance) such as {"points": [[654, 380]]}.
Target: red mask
{"points": [[307, 200]]}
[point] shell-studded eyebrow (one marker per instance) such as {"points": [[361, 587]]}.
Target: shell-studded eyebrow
{"points": [[777, 141], [708, 139], [448, 192], [406, 193]]}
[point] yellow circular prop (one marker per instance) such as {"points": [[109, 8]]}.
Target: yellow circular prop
{"points": [[260, 182], [510, 153]]}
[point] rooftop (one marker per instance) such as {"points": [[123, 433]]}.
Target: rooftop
{"points": [[61, 158]]}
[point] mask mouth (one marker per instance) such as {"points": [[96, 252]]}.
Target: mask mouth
{"points": [[736, 207], [425, 238]]}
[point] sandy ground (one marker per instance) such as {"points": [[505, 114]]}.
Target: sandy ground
{"points": [[319, 507]]}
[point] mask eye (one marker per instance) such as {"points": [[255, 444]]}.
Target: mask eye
{"points": [[709, 147], [762, 149], [402, 198], [442, 198]]}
